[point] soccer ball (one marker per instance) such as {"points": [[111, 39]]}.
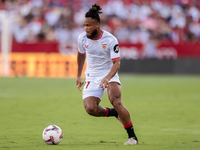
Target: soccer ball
{"points": [[52, 135]]}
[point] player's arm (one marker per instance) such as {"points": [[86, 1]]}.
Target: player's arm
{"points": [[115, 67], [80, 63]]}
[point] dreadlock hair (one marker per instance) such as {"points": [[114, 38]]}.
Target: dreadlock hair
{"points": [[94, 12]]}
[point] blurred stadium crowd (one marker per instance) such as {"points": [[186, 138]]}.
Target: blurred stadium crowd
{"points": [[132, 21]]}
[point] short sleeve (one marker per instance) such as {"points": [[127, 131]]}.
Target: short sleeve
{"points": [[80, 45], [114, 49]]}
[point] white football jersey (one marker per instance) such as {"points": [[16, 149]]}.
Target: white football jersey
{"points": [[99, 53]]}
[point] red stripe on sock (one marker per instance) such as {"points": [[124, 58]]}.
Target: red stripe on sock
{"points": [[127, 125], [107, 111]]}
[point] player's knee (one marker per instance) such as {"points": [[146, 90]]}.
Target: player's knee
{"points": [[90, 110], [117, 103]]}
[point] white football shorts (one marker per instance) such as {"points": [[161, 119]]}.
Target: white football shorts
{"points": [[92, 88]]}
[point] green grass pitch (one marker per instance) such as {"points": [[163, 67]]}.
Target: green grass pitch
{"points": [[165, 110]]}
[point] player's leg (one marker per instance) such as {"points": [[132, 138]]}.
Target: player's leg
{"points": [[114, 94], [92, 95], [93, 108]]}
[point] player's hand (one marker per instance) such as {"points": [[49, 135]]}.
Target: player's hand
{"points": [[79, 83], [104, 83]]}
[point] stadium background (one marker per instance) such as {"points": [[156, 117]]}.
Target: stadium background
{"points": [[39, 37]]}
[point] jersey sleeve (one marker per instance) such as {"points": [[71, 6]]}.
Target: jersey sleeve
{"points": [[114, 49], [80, 45]]}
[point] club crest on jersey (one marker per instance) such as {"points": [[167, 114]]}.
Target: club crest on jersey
{"points": [[86, 46], [104, 46]]}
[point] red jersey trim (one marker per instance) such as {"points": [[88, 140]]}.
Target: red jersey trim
{"points": [[115, 58], [81, 53], [99, 37]]}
